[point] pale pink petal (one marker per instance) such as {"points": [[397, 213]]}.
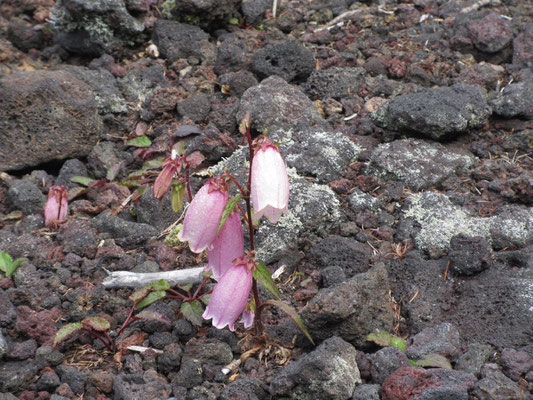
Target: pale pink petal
{"points": [[203, 216], [227, 246], [229, 297]]}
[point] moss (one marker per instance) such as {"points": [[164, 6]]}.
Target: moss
{"points": [[172, 237]]}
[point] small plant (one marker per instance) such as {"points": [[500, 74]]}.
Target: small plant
{"points": [[7, 265]]}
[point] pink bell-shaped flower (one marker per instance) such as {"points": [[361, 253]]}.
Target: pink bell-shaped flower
{"points": [[231, 294], [55, 210], [227, 246], [270, 183], [200, 225], [247, 318]]}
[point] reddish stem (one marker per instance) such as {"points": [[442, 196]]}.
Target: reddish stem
{"points": [[96, 335], [127, 322]]}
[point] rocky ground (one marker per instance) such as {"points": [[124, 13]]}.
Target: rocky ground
{"points": [[406, 127]]}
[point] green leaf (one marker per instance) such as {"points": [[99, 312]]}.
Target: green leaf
{"points": [[234, 21], [230, 205], [12, 216], [262, 275], [205, 298], [82, 180], [141, 141], [193, 311], [151, 298], [177, 196], [291, 312], [13, 267], [67, 331], [156, 163], [141, 293], [154, 316], [5, 261], [385, 339], [96, 323], [433, 361], [186, 287]]}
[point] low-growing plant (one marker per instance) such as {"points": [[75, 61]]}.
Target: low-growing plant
{"points": [[7, 265]]}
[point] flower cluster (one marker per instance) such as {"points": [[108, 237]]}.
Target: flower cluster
{"points": [[269, 193]]}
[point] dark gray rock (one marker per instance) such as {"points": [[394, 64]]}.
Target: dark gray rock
{"points": [[437, 114], [160, 340], [523, 48], [103, 157], [183, 329], [196, 107], [17, 375], [288, 59], [25, 36], [23, 350], [254, 10], [210, 351], [481, 309], [139, 387], [427, 384], [189, 375], [385, 361], [332, 275], [129, 233], [176, 40], [48, 381], [496, 386], [361, 201], [26, 197], [77, 237], [352, 309], [321, 154], [205, 13], [70, 169], [213, 144], [418, 163], [49, 356], [515, 364], [140, 83], [335, 82], [92, 28], [275, 104], [491, 33], [443, 339], [37, 109], [147, 266], [474, 358], [30, 224], [157, 213], [347, 253], [238, 81], [516, 100], [232, 56], [76, 380], [107, 96], [366, 392], [224, 110], [170, 360], [244, 388], [469, 255], [329, 372]]}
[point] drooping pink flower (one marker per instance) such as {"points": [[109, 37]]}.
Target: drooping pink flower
{"points": [[270, 183], [228, 245], [231, 294], [55, 210], [247, 318], [200, 225]]}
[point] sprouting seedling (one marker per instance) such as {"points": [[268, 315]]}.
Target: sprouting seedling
{"points": [[7, 265]]}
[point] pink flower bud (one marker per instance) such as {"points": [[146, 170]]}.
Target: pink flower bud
{"points": [[231, 294], [200, 225], [270, 183], [227, 246], [164, 179], [56, 208]]}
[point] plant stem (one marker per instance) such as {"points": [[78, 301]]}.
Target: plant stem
{"points": [[127, 322], [96, 335], [199, 288], [257, 319]]}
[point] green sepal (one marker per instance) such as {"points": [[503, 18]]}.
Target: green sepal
{"points": [[141, 141], [291, 312], [263, 276], [385, 339], [192, 311], [230, 206], [67, 331]]}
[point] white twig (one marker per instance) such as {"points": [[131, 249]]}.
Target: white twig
{"points": [[274, 8], [137, 280], [480, 3]]}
